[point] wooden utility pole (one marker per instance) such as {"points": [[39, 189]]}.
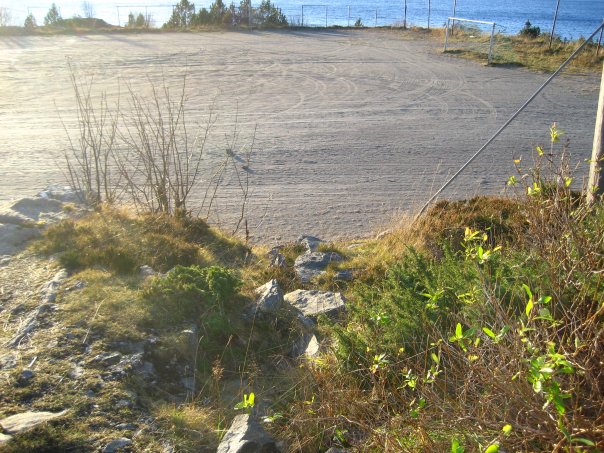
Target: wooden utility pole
{"points": [[595, 185], [551, 36]]}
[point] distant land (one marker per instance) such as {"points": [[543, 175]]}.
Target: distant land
{"points": [[576, 18]]}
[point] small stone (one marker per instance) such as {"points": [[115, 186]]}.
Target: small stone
{"points": [[116, 444], [146, 271], [4, 260], [279, 261], [383, 234], [127, 427], [345, 275], [76, 371], [26, 375], [8, 361], [106, 358], [124, 403], [77, 286]]}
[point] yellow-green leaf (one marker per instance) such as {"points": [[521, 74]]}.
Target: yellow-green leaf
{"points": [[494, 448]]}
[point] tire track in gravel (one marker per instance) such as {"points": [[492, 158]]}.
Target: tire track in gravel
{"points": [[352, 126]]}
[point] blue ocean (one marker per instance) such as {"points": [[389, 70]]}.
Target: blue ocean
{"points": [[576, 18]]}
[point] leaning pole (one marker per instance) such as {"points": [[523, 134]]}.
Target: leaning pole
{"points": [[595, 186]]}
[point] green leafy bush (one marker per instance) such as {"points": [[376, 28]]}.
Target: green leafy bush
{"points": [[188, 292], [529, 30]]}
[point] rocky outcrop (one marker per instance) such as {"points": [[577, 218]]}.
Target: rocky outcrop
{"points": [[48, 295], [246, 435]]}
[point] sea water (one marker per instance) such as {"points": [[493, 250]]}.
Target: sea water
{"points": [[576, 18]]}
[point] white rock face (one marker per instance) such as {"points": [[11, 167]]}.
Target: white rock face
{"points": [[27, 420]]}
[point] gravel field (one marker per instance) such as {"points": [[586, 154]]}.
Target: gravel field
{"points": [[352, 127]]}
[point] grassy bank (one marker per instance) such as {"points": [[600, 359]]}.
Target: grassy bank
{"points": [[531, 53], [475, 328]]}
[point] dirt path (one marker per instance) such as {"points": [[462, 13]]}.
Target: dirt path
{"points": [[351, 127]]}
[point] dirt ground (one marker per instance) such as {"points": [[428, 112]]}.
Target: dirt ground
{"points": [[352, 128]]}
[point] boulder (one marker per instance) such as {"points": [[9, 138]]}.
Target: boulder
{"points": [[27, 420], [271, 297], [310, 242], [246, 435], [313, 303], [312, 264]]}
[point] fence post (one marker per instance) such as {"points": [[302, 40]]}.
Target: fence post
{"points": [[405, 19], [595, 186], [302, 23], [429, 11], [599, 43], [348, 15], [118, 16], [447, 34], [491, 44], [326, 16], [375, 26], [454, 11]]}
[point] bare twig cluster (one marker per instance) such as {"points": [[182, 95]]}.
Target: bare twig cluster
{"points": [[148, 154]]}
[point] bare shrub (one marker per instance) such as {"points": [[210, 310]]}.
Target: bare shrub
{"points": [[147, 153], [89, 158], [162, 159], [5, 17]]}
